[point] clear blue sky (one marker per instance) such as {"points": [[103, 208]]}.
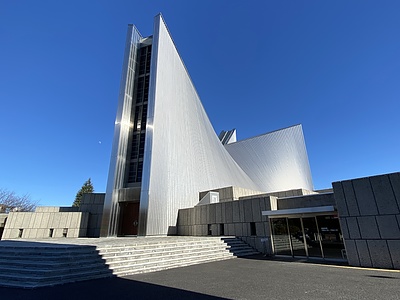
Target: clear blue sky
{"points": [[332, 66]]}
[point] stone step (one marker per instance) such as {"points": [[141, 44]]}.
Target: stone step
{"points": [[171, 263], [57, 264], [160, 251], [104, 251], [27, 281], [9, 252], [51, 264], [43, 272], [172, 256], [162, 246]]}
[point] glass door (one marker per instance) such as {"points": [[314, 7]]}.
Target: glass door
{"points": [[312, 237], [280, 236], [331, 236], [297, 237]]}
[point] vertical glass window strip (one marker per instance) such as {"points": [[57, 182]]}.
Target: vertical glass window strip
{"points": [[139, 112]]}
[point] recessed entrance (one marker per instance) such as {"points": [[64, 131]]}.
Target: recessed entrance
{"points": [[129, 218], [311, 236]]}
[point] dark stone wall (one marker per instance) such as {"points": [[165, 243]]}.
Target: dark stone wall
{"points": [[93, 204], [369, 213]]}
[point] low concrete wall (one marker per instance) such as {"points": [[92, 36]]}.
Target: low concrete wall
{"points": [[34, 225], [369, 213], [54, 221], [231, 193], [232, 218]]}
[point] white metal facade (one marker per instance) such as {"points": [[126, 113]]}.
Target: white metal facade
{"points": [[275, 161], [182, 153]]}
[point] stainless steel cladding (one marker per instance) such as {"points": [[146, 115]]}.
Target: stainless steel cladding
{"points": [[179, 153], [183, 155], [275, 161], [116, 173]]}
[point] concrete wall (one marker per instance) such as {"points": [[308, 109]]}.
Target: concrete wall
{"points": [[93, 204], [235, 217], [3, 218], [231, 193], [306, 201], [37, 225], [369, 216], [83, 221], [281, 194]]}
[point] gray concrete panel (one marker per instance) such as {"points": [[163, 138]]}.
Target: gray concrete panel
{"points": [[218, 213], [256, 210], [340, 199], [229, 212], [212, 214], [395, 182], [230, 229], [365, 197], [368, 228], [203, 214], [38, 220], [352, 253], [267, 229], [388, 227], [248, 215], [241, 207], [260, 229], [246, 229], [197, 214], [32, 221], [343, 226], [351, 201], [236, 211], [179, 222], [384, 196], [352, 225], [223, 211], [204, 229], [394, 249], [238, 229], [363, 253], [26, 220], [380, 255]]}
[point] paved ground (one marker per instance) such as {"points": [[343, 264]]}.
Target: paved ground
{"points": [[232, 279]]}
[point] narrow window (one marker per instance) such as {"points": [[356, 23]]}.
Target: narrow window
{"points": [[209, 231], [253, 228], [51, 231], [221, 229], [65, 232], [20, 232]]}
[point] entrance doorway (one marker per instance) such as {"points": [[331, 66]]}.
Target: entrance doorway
{"points": [[310, 236], [129, 218]]}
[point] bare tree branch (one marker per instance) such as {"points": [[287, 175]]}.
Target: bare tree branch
{"points": [[9, 201]]}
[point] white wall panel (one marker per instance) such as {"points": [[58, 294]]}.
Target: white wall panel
{"points": [[275, 161]]}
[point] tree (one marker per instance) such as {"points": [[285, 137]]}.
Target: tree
{"points": [[10, 201], [86, 188]]}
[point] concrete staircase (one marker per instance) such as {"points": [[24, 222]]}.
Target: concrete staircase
{"points": [[166, 253], [30, 264], [35, 266]]}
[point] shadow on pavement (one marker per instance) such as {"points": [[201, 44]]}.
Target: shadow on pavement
{"points": [[107, 288], [297, 259]]}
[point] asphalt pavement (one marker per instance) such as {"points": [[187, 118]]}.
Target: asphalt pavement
{"points": [[242, 278]]}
